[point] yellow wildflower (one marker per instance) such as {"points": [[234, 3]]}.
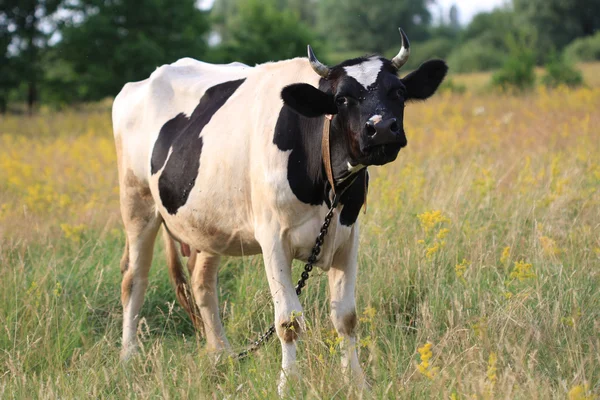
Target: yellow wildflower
{"points": [[334, 343], [57, 289], [480, 327], [73, 232], [491, 376], [34, 293], [580, 392], [461, 268], [442, 233], [505, 255], [368, 314], [424, 367], [491, 370], [365, 342], [549, 246], [432, 250], [522, 271], [430, 219]]}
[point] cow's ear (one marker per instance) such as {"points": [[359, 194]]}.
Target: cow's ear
{"points": [[424, 81], [307, 100]]}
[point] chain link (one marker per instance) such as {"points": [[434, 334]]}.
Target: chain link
{"points": [[308, 267]]}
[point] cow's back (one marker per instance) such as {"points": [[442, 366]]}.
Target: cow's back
{"points": [[141, 108], [223, 175]]}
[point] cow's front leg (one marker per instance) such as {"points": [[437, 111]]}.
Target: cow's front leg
{"points": [[342, 282], [288, 311]]}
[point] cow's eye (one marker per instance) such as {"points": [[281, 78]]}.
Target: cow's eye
{"points": [[341, 101]]}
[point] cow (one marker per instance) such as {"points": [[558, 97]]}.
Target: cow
{"points": [[229, 159]]}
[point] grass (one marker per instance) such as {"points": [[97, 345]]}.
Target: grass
{"points": [[479, 265]]}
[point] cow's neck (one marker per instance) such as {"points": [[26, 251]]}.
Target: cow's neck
{"points": [[343, 169], [306, 171]]}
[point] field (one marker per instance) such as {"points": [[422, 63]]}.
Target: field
{"points": [[479, 265]]}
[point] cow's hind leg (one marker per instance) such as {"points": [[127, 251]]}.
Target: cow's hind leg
{"points": [[141, 226], [342, 283], [204, 285]]}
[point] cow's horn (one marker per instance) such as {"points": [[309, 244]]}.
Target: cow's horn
{"points": [[321, 69], [404, 52]]}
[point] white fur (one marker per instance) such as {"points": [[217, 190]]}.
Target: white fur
{"points": [[366, 72], [376, 118], [354, 168]]}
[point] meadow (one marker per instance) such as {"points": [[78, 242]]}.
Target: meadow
{"points": [[479, 267]]}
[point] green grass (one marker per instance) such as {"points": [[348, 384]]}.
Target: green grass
{"points": [[521, 173], [61, 318]]}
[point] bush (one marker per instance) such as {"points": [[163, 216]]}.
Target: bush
{"points": [[474, 56], [449, 85], [584, 49], [560, 72], [518, 71]]}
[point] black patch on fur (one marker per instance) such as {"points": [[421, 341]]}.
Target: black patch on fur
{"points": [[302, 136], [182, 135], [354, 198]]}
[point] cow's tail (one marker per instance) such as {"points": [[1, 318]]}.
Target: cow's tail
{"points": [[178, 278]]}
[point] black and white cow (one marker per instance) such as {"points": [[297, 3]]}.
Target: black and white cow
{"points": [[214, 154]]}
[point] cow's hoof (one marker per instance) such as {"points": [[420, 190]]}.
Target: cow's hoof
{"points": [[217, 356], [128, 352], [287, 379]]}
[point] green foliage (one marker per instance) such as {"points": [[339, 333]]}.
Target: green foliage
{"points": [[260, 32], [483, 42], [27, 25], [518, 71], [101, 44], [474, 56], [439, 47], [120, 42], [584, 49], [560, 72], [489, 29], [558, 22], [372, 27]]}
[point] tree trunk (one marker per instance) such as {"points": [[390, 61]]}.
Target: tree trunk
{"points": [[31, 97]]}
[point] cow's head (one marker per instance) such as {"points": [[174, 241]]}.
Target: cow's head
{"points": [[365, 99]]}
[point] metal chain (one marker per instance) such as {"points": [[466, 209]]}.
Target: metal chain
{"points": [[308, 267]]}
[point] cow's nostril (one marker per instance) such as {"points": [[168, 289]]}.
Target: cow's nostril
{"points": [[371, 131], [394, 127]]}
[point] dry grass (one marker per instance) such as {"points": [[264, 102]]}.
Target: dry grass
{"points": [[481, 240]]}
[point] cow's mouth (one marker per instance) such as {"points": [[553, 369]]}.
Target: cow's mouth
{"points": [[383, 154]]}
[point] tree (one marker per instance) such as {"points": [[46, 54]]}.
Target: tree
{"points": [[226, 14], [27, 27], [454, 20], [491, 29], [123, 41], [558, 22], [7, 78], [260, 32], [356, 25]]}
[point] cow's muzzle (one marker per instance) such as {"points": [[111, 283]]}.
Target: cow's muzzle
{"points": [[384, 132]]}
